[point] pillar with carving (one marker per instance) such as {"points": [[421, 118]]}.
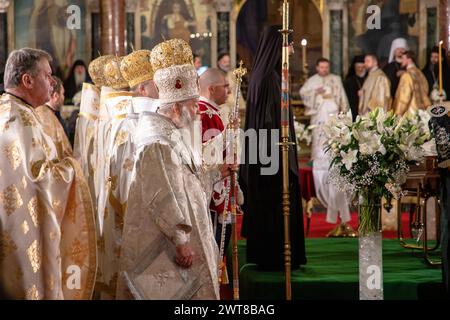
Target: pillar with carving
{"points": [[3, 34], [444, 21], [112, 26], [223, 8]]}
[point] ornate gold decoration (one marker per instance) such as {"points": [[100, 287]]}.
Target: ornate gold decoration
{"points": [[7, 245], [33, 293], [56, 204], [78, 252], [36, 167], [5, 106], [122, 105], [34, 210], [121, 137], [96, 70], [71, 209], [13, 154], [34, 255], [136, 67], [27, 118], [171, 52], [11, 199], [47, 149], [25, 227], [113, 77]]}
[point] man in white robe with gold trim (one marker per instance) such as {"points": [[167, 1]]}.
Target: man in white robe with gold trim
{"points": [[324, 96], [85, 131], [115, 104], [137, 71], [47, 232], [115, 100], [168, 249]]}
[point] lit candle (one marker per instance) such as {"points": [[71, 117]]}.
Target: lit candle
{"points": [[304, 43], [440, 68]]}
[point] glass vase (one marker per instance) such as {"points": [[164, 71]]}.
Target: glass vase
{"points": [[370, 248]]}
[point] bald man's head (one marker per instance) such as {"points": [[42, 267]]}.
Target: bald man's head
{"points": [[214, 86]]}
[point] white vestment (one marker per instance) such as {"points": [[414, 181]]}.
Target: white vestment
{"points": [[47, 232], [85, 138], [320, 107], [114, 106], [376, 92], [121, 163], [167, 205]]}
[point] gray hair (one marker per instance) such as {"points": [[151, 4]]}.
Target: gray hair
{"points": [[166, 108], [22, 61]]}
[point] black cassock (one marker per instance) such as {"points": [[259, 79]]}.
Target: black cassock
{"points": [[263, 224], [352, 84], [440, 125], [431, 72], [391, 70]]}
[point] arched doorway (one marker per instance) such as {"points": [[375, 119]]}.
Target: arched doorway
{"points": [[249, 18]]}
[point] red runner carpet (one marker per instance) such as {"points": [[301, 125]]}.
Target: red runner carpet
{"points": [[319, 227]]}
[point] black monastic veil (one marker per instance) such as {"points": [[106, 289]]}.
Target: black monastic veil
{"points": [[263, 216]]}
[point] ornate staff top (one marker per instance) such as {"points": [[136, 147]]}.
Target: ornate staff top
{"points": [[240, 72]]}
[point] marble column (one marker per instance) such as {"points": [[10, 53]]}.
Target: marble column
{"points": [[444, 21], [431, 29], [336, 41], [223, 8], [112, 14]]}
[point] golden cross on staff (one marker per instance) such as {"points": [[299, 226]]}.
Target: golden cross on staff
{"points": [[231, 196], [240, 72]]}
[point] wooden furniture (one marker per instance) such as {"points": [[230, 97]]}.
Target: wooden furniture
{"points": [[422, 183]]}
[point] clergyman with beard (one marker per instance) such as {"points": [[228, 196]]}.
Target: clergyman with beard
{"points": [[167, 225], [74, 81]]}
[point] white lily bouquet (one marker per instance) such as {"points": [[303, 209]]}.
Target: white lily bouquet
{"points": [[370, 158], [302, 133]]}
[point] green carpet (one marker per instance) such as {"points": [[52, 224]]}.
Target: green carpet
{"points": [[332, 273]]}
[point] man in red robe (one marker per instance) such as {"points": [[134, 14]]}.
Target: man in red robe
{"points": [[214, 91]]}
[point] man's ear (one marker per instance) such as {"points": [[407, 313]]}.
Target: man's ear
{"points": [[176, 108], [141, 89], [211, 90], [27, 80]]}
